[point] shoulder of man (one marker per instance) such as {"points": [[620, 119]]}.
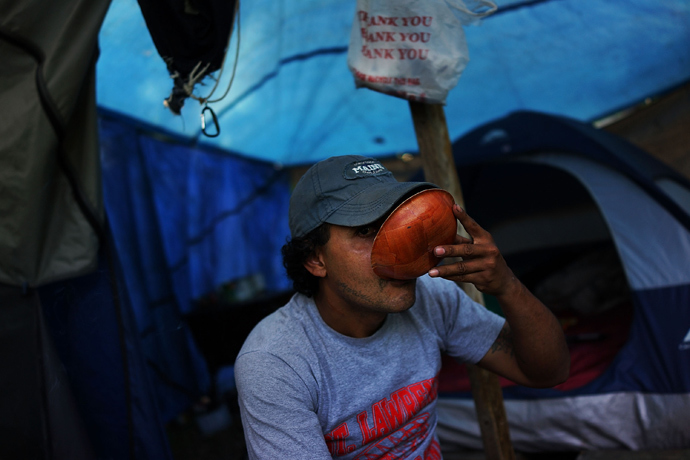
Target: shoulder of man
{"points": [[280, 332]]}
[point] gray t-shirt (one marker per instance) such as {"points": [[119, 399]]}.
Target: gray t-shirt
{"points": [[308, 392]]}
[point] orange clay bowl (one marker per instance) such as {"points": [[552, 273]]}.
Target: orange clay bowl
{"points": [[403, 247]]}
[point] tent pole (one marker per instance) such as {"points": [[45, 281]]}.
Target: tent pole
{"points": [[436, 152]]}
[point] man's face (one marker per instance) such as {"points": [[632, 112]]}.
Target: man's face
{"points": [[350, 284]]}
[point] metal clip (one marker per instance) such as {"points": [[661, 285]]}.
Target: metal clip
{"points": [[215, 122]]}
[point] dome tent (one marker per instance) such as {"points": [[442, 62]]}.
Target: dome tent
{"points": [[554, 192]]}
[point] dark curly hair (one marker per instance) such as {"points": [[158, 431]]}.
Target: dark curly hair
{"points": [[296, 251]]}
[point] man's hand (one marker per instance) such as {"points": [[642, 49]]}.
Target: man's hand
{"points": [[481, 262], [531, 349]]}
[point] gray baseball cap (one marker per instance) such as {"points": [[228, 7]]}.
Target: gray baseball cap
{"points": [[349, 190]]}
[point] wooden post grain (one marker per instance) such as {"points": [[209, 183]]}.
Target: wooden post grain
{"points": [[436, 152]]}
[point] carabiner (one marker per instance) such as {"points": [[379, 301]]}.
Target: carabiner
{"points": [[215, 122]]}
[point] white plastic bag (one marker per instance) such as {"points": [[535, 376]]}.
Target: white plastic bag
{"points": [[412, 49]]}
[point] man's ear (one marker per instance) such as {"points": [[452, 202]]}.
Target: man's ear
{"points": [[315, 264]]}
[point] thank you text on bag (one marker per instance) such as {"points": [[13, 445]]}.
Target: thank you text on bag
{"points": [[411, 49]]}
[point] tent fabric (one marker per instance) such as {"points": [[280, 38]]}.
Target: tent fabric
{"points": [[293, 100], [556, 166], [91, 323], [38, 416], [50, 185], [670, 248], [187, 220], [635, 421]]}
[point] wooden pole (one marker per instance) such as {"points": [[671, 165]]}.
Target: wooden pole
{"points": [[436, 152]]}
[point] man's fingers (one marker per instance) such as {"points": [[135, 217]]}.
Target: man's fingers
{"points": [[457, 250], [459, 239], [447, 250], [472, 227], [462, 267], [466, 249], [463, 271], [478, 259]]}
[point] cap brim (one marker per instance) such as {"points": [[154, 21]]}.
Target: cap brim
{"points": [[374, 203]]}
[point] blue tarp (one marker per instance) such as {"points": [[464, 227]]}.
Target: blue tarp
{"points": [[187, 220], [293, 99]]}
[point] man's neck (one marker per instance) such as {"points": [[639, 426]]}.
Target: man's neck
{"points": [[347, 320]]}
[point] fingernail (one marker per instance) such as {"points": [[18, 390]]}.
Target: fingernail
{"points": [[433, 272], [439, 251]]}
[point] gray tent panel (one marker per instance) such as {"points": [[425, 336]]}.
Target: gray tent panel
{"points": [[50, 185]]}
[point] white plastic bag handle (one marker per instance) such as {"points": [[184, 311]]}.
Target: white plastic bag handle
{"points": [[476, 10]]}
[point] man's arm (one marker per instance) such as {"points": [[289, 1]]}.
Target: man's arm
{"points": [[530, 349]]}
